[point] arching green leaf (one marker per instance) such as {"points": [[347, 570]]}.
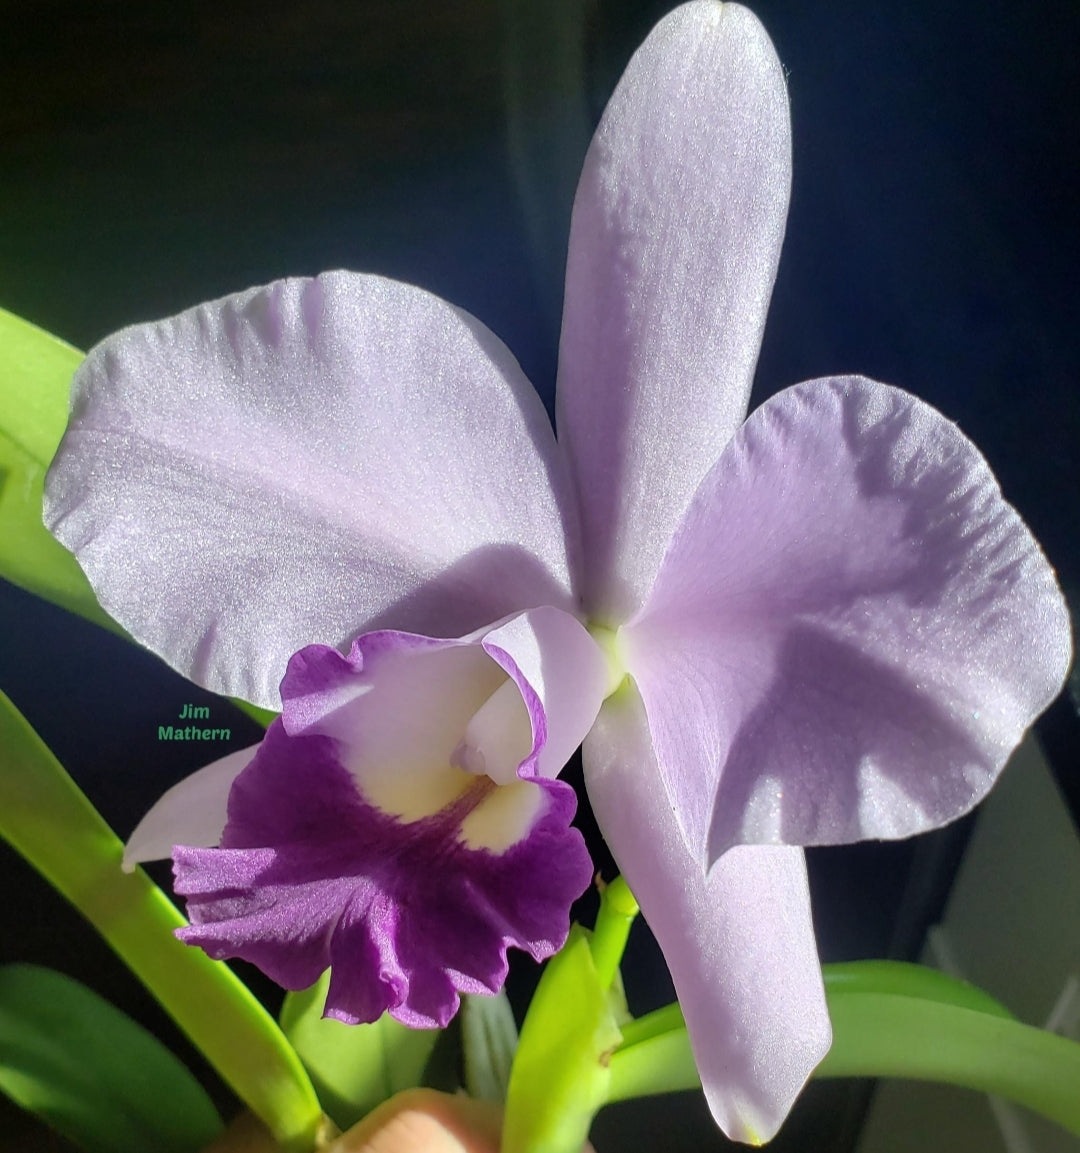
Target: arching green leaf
{"points": [[92, 1073], [35, 380]]}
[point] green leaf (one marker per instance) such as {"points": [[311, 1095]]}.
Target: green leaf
{"points": [[906, 980], [890, 1020], [354, 1067], [92, 1073], [45, 816], [490, 1039], [444, 1069], [35, 380], [35, 383], [885, 1035], [561, 1072]]}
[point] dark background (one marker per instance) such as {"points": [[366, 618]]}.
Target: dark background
{"points": [[152, 157]]}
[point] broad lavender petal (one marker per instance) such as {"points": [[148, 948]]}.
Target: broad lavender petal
{"points": [[851, 630], [192, 812], [739, 941], [674, 244], [300, 462]]}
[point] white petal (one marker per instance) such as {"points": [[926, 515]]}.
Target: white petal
{"points": [[192, 812]]}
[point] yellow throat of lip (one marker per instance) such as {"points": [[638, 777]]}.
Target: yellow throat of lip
{"points": [[609, 643]]}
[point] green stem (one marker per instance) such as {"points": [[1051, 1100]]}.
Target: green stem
{"points": [[669, 1019], [45, 816], [617, 912], [660, 1061], [559, 1078], [889, 1020]]}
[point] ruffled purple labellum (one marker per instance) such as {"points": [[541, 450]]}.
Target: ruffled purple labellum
{"points": [[396, 824]]}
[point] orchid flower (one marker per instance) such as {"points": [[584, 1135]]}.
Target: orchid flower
{"points": [[821, 625]]}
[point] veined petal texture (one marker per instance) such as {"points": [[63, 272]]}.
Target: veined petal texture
{"points": [[303, 461], [851, 629], [674, 243], [739, 941], [396, 824]]}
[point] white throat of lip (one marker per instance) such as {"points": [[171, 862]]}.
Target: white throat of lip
{"points": [[498, 738]]}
